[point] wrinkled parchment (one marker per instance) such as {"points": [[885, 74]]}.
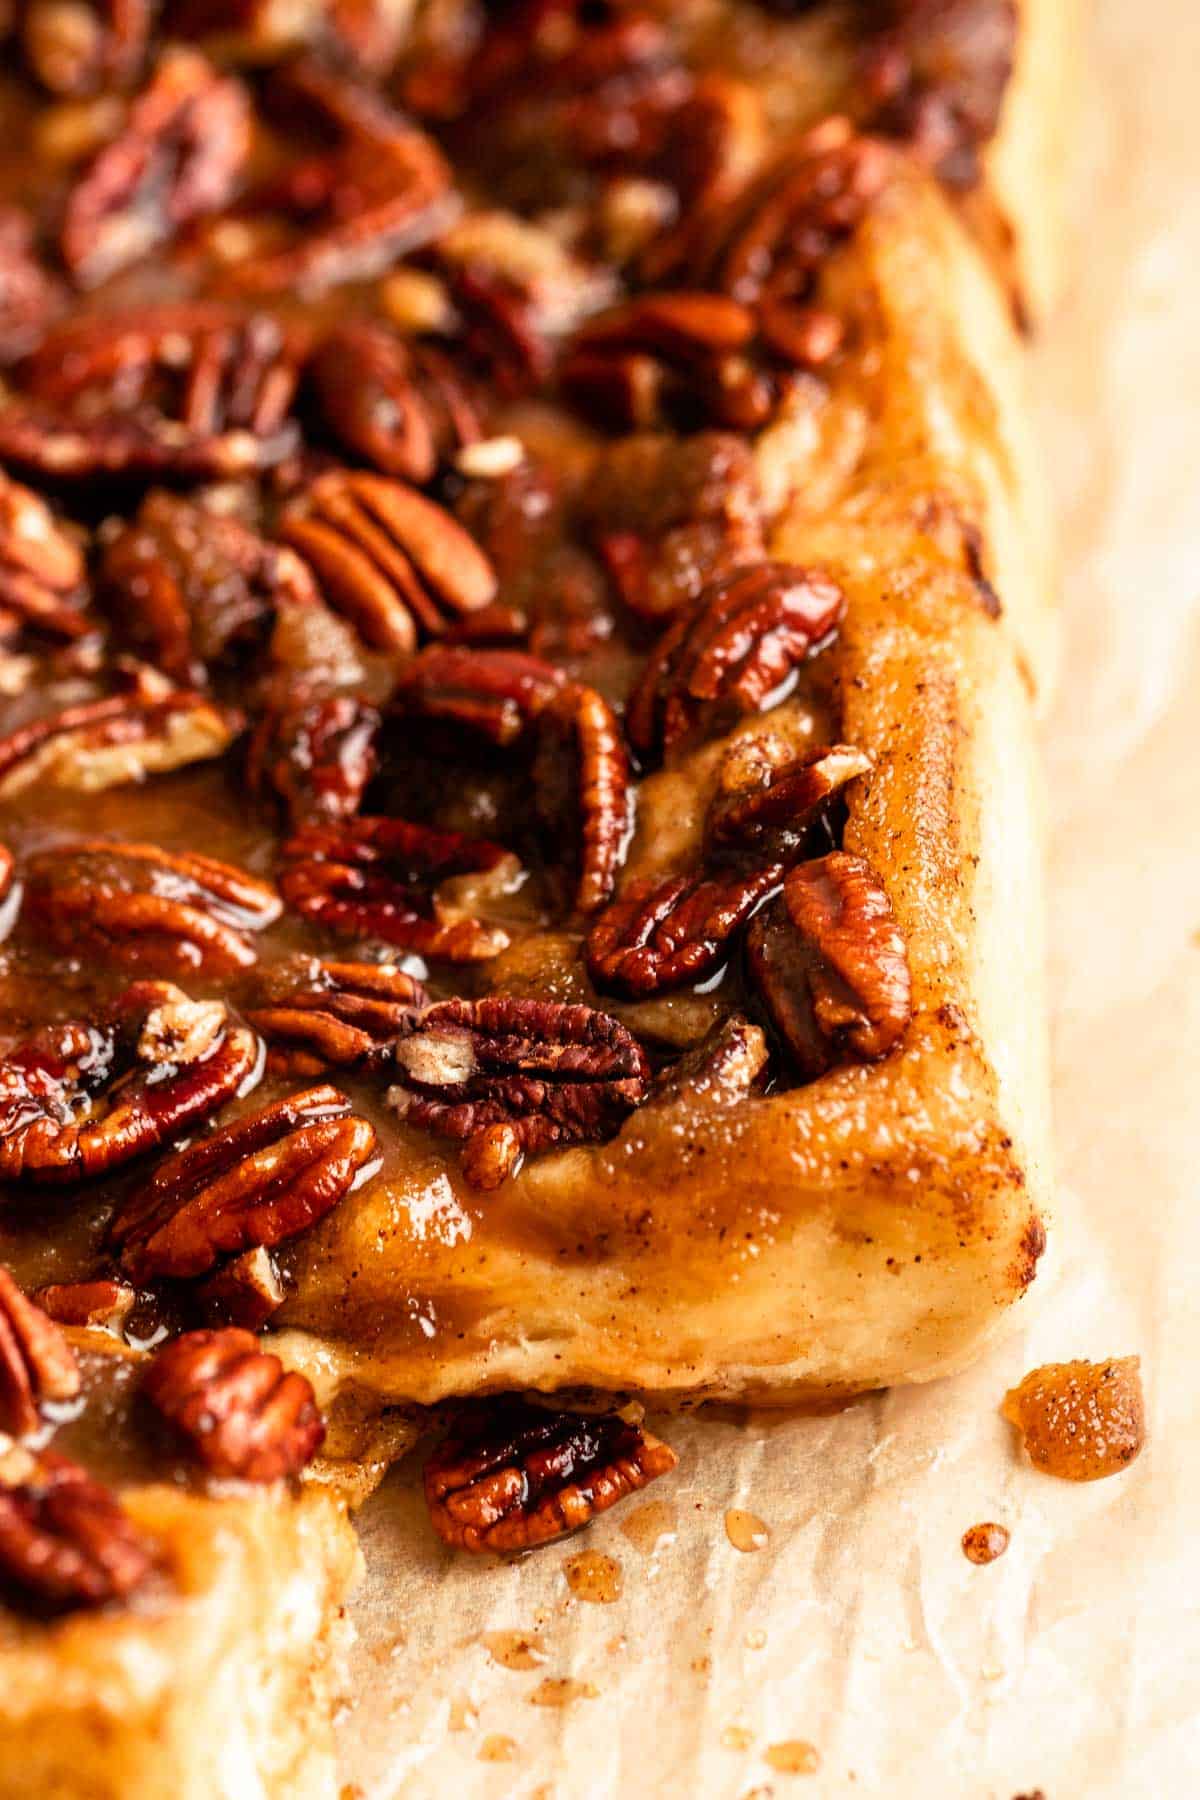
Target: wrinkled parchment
{"points": [[1073, 1663]]}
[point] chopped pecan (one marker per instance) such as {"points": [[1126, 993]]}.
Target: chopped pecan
{"points": [[582, 789], [722, 1069], [831, 966], [66, 1541], [335, 1013], [85, 1096], [183, 146], [30, 297], [747, 637], [395, 563], [496, 694], [79, 47], [240, 1413], [42, 569], [317, 754], [245, 1292], [378, 877], [36, 1361], [406, 408], [104, 1304], [249, 1185], [187, 587], [513, 1077], [192, 390], [770, 796], [511, 1475], [146, 908], [103, 743], [666, 934]]}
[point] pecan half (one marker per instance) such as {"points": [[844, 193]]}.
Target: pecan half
{"points": [[378, 877], [146, 908], [83, 1097], [316, 753], [831, 966], [81, 46], [30, 297], [104, 1303], [749, 634], [395, 563], [193, 390], [935, 72], [582, 789], [724, 1067], [42, 569], [495, 694], [66, 1541], [405, 408], [104, 743], [770, 797], [251, 1184], [189, 588], [240, 1413], [511, 1475], [36, 1361], [666, 934], [322, 1014], [513, 1077], [183, 146]]}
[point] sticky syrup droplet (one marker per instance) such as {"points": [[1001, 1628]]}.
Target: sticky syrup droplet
{"points": [[736, 1737], [745, 1530], [651, 1526], [515, 1649], [1080, 1420], [984, 1543], [593, 1576], [464, 1714], [562, 1690], [497, 1748], [793, 1757]]}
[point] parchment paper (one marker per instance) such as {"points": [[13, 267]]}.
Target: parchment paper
{"points": [[1072, 1664]]}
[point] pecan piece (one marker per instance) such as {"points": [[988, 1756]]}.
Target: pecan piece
{"points": [[103, 1304], [510, 1078], [189, 588], [394, 562], [770, 797], [336, 1013], [721, 1070], [317, 754], [249, 1185], [511, 1475], [378, 877], [30, 297], [666, 934], [36, 1361], [184, 144], [582, 789], [42, 568], [496, 694], [405, 408], [733, 655], [86, 1096], [831, 966], [240, 1413], [104, 743], [78, 47], [245, 1292], [146, 908], [66, 1541]]}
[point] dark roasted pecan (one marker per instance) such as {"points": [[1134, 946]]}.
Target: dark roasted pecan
{"points": [[66, 1541], [146, 908], [830, 963], [398, 565], [665, 934], [513, 1077], [251, 1184], [495, 694], [241, 1414], [84, 1097], [104, 1303], [193, 390], [183, 146], [770, 796], [245, 1292], [582, 790], [103, 743], [30, 297], [379, 877], [722, 1069], [36, 1361], [317, 754], [82, 46], [511, 1475], [42, 570], [321, 1014], [404, 407], [935, 72], [733, 655], [187, 587]]}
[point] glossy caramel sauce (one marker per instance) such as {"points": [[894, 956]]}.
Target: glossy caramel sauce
{"points": [[651, 1527], [1081, 1421], [746, 1531], [595, 1577], [514, 1649]]}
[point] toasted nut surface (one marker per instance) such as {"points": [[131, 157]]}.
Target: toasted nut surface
{"points": [[335, 1014], [241, 1414], [66, 1542], [36, 1362], [665, 934], [583, 789]]}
